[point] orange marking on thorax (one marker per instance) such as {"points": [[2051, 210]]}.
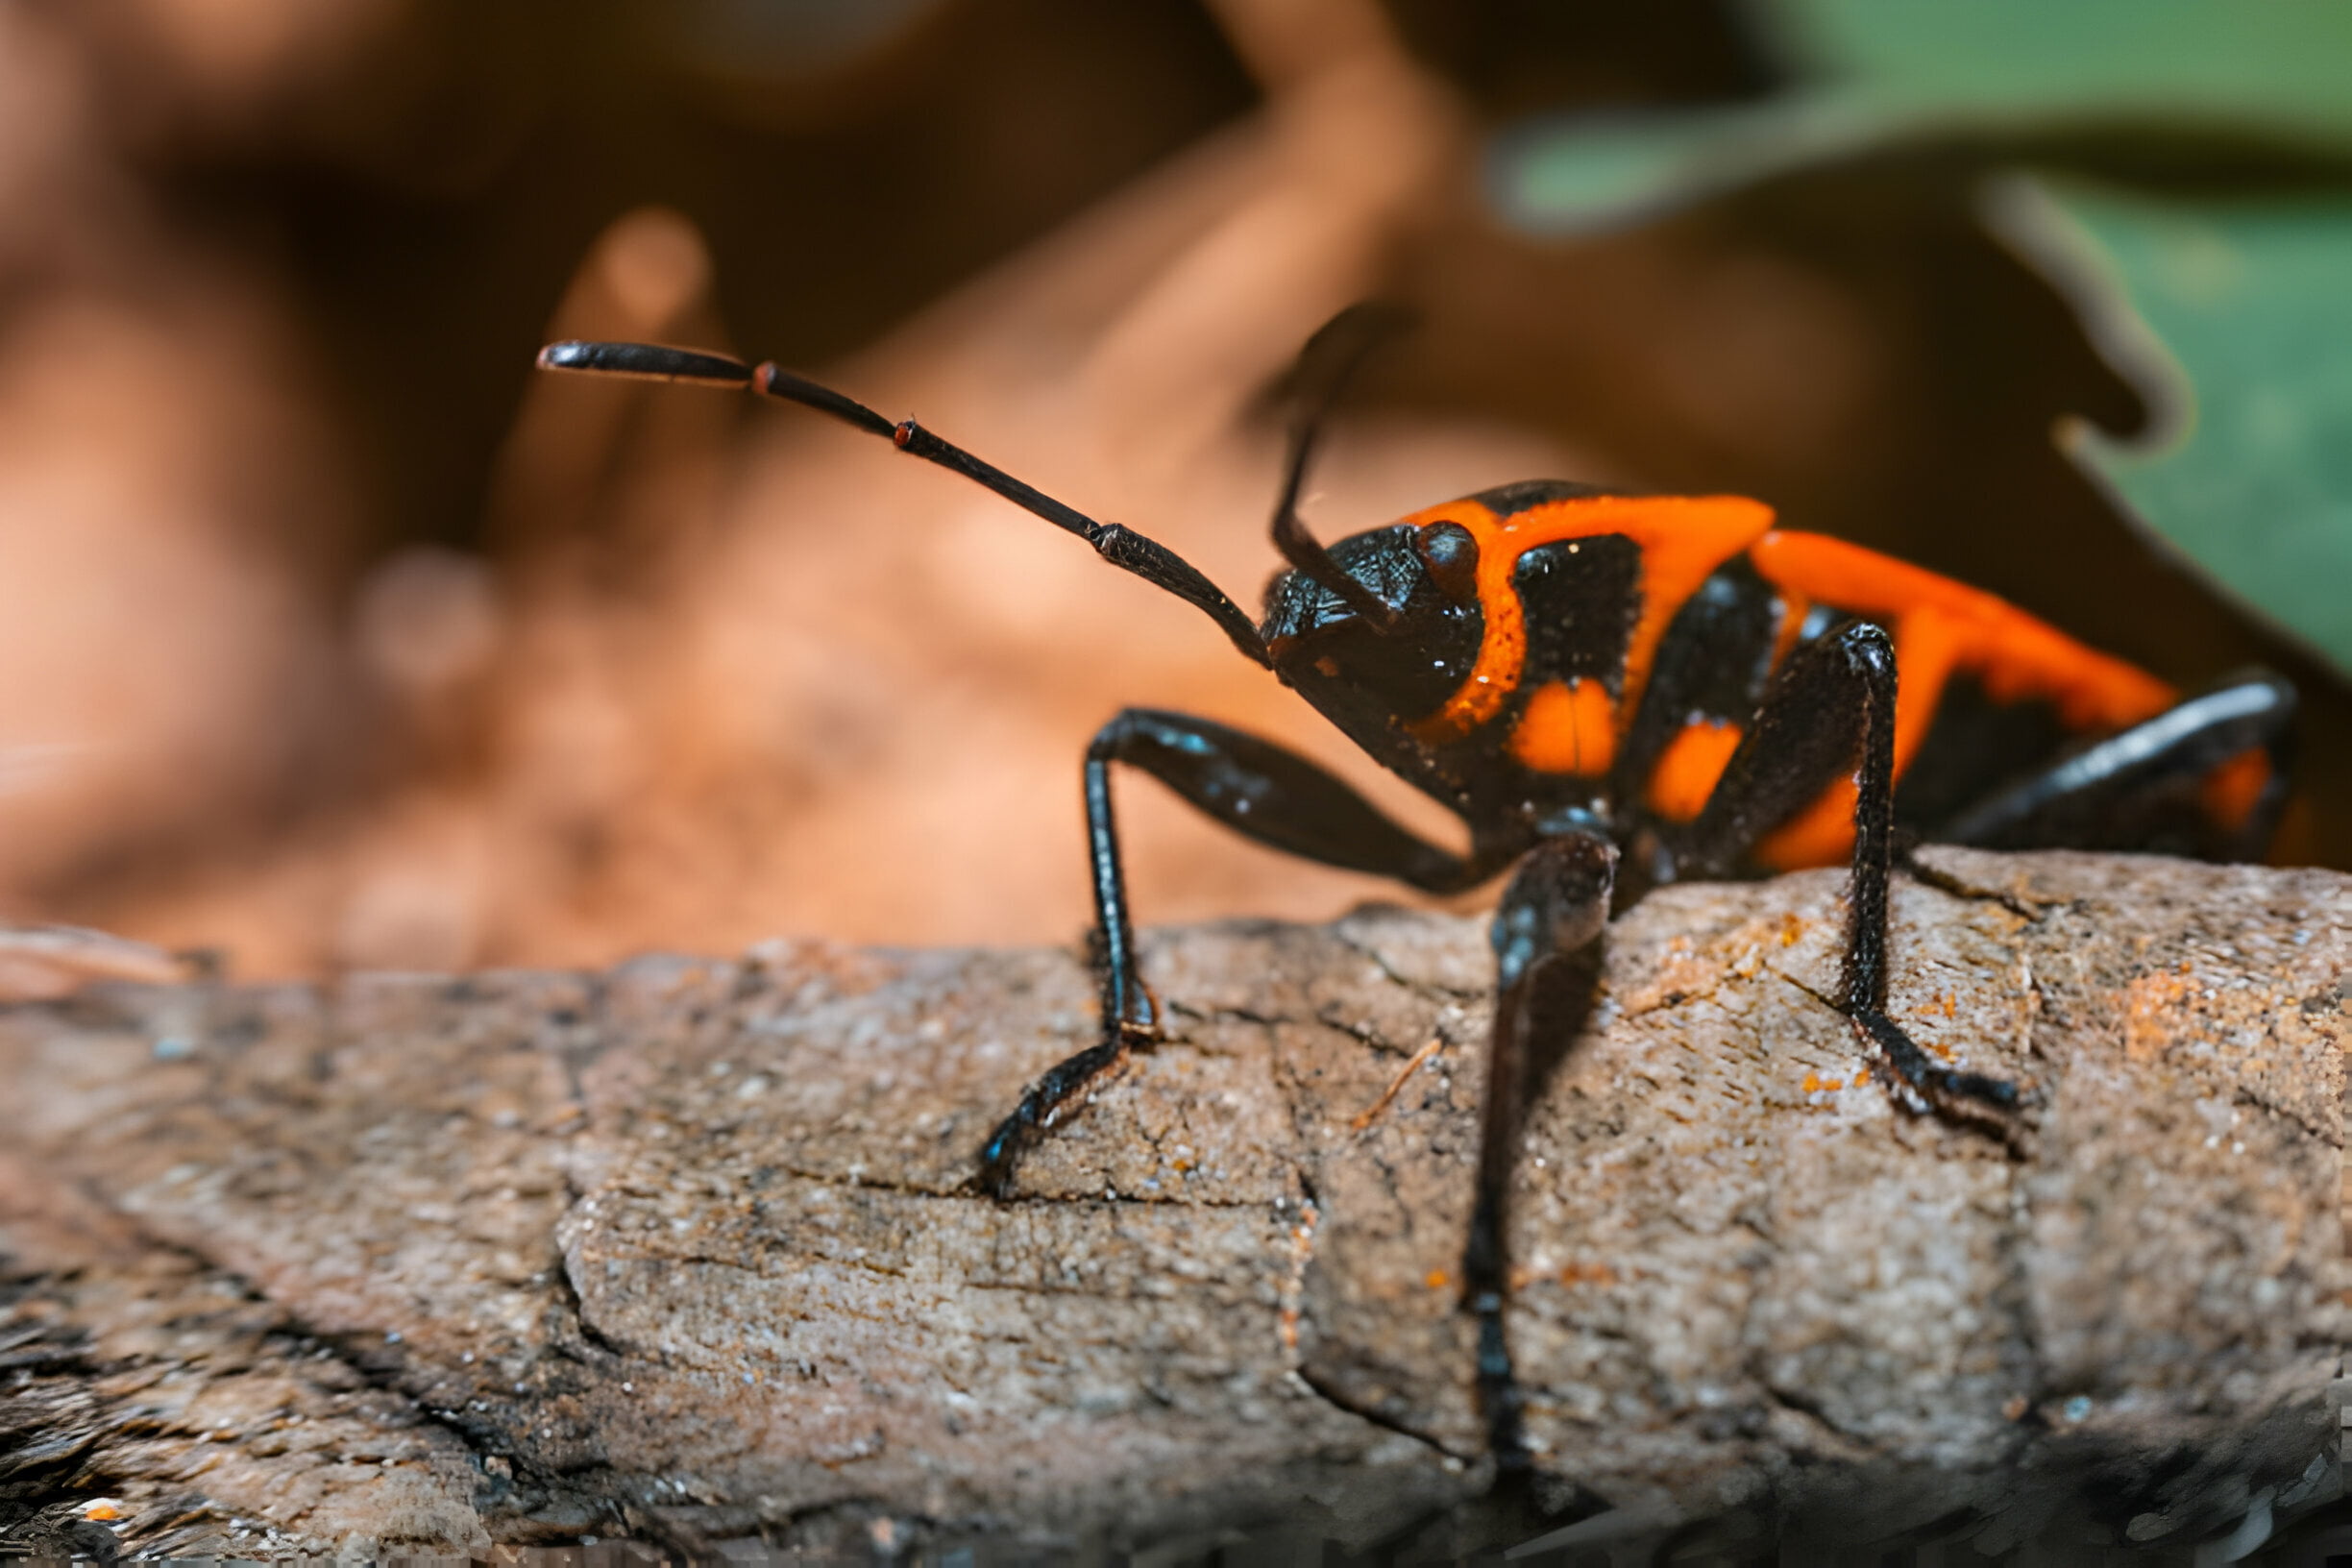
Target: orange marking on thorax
{"points": [[1569, 728], [1682, 540], [1690, 767], [1940, 628]]}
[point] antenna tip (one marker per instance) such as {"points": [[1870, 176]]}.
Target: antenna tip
{"points": [[645, 361]]}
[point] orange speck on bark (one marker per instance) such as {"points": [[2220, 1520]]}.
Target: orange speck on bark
{"points": [[2154, 1007]]}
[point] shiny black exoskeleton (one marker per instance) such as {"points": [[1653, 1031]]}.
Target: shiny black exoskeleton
{"points": [[1614, 692]]}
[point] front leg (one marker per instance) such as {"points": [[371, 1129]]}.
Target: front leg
{"points": [[1258, 789], [1547, 970]]}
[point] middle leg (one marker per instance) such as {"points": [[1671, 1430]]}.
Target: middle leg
{"points": [[1830, 715]]}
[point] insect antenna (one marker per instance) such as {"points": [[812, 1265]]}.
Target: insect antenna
{"points": [[1121, 546], [646, 363], [1325, 366]]}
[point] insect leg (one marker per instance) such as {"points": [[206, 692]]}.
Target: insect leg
{"points": [[1121, 546], [1547, 970], [2144, 788], [1262, 791], [1830, 713]]}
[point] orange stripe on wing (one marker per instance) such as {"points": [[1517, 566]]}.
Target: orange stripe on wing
{"points": [[2015, 654], [1940, 628]]}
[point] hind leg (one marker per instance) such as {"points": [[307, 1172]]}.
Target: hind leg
{"points": [[2207, 776]]}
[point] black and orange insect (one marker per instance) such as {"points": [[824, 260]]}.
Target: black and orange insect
{"points": [[1614, 692]]}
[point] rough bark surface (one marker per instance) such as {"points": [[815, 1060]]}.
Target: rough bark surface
{"points": [[681, 1252]]}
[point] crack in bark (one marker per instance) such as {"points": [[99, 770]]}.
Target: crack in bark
{"points": [[1813, 1412], [1324, 1390], [1958, 886], [1427, 991], [2246, 1094]]}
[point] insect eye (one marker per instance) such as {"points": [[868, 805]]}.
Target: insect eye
{"points": [[1450, 554]]}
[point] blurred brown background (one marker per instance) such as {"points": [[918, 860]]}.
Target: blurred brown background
{"points": [[331, 635]]}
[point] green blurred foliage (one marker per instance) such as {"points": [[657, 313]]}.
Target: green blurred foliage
{"points": [[2282, 62], [2243, 314], [2002, 78], [2217, 283]]}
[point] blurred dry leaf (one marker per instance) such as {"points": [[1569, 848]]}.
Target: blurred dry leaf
{"points": [[704, 670], [41, 962]]}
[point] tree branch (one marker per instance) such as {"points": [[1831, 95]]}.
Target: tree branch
{"points": [[681, 1252]]}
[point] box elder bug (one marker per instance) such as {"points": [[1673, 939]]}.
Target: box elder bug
{"points": [[1616, 690]]}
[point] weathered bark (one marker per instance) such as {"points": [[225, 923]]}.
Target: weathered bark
{"points": [[680, 1251]]}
